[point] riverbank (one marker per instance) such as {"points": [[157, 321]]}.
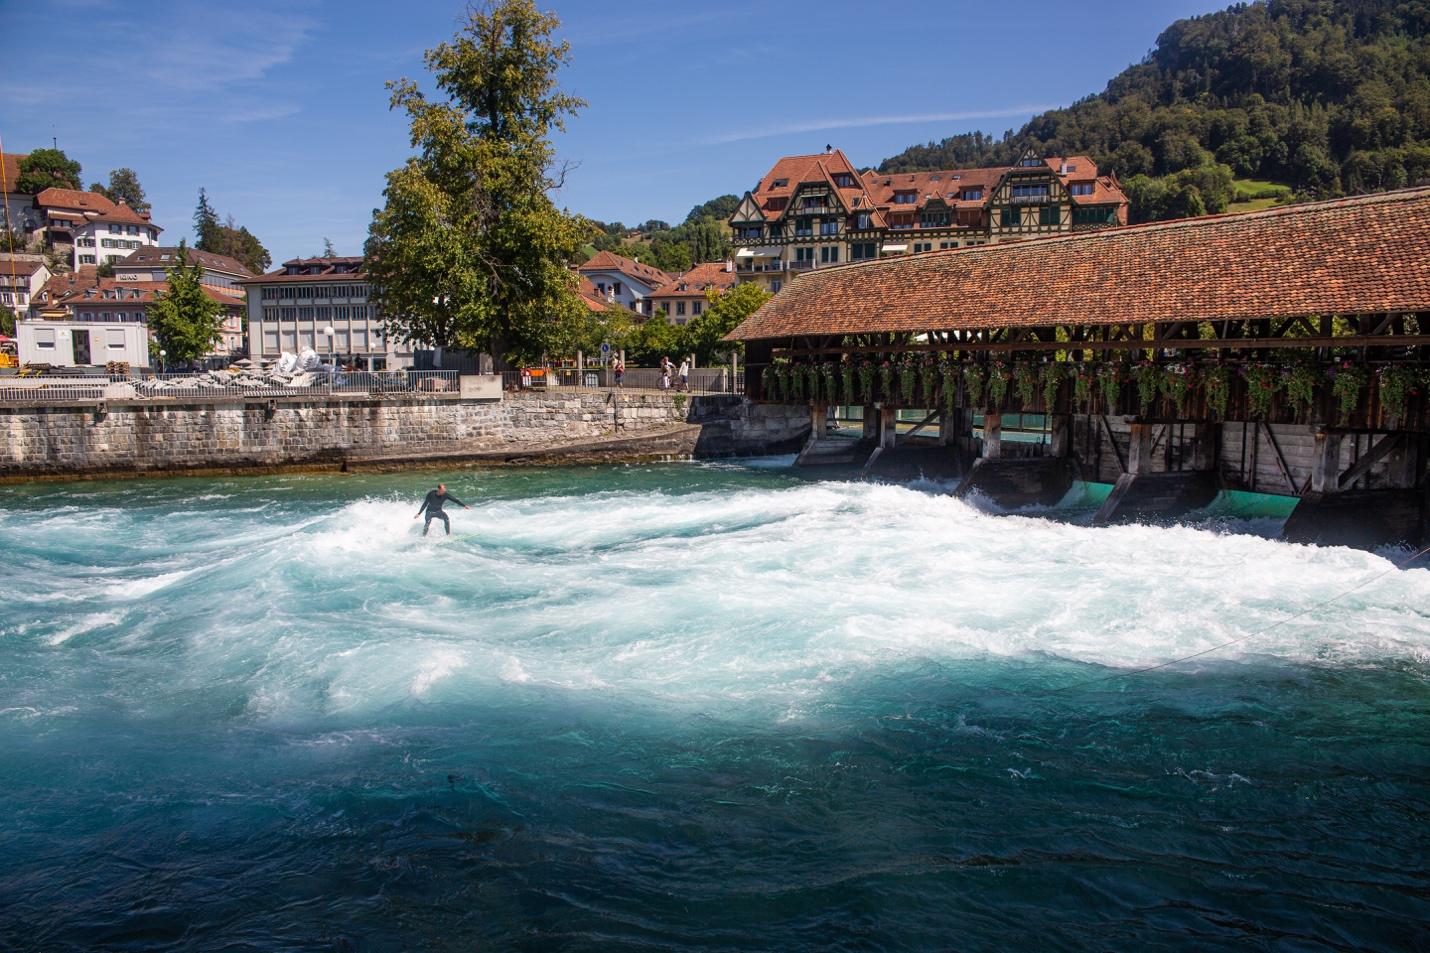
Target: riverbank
{"points": [[119, 439]]}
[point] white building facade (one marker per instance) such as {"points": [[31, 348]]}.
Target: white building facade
{"points": [[90, 228], [294, 307], [622, 281]]}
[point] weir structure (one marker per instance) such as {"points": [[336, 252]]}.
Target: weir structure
{"points": [[1281, 351]]}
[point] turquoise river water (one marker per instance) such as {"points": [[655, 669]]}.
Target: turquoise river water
{"points": [[694, 707]]}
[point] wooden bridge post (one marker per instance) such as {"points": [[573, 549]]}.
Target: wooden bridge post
{"points": [[888, 427], [1139, 449], [818, 421], [992, 436], [1060, 427], [1326, 462], [1204, 446]]}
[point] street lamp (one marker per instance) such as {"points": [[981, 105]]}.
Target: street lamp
{"points": [[163, 367], [328, 333]]}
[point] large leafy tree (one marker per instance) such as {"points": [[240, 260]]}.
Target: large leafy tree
{"points": [[185, 320], [469, 250], [705, 335], [123, 187], [47, 169]]}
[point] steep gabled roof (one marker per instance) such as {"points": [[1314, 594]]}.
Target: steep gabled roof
{"points": [[774, 190], [10, 171], [90, 206], [1363, 255], [609, 261], [161, 256]]}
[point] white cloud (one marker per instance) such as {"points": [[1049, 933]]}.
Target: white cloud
{"points": [[862, 122]]}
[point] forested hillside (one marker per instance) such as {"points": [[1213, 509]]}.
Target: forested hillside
{"points": [[1328, 97]]}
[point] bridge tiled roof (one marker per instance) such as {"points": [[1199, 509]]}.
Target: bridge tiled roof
{"points": [[1364, 255]]}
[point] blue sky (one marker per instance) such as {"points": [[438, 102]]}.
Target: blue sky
{"points": [[278, 108]]}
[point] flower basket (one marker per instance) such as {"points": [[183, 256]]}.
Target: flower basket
{"points": [[1216, 388], [1262, 383], [998, 378], [1053, 376], [1347, 385], [1025, 381], [1148, 378], [1175, 385], [1299, 382], [974, 378], [1109, 385]]}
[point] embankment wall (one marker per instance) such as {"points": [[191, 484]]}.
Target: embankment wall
{"points": [[147, 438]]}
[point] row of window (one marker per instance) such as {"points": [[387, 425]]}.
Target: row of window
{"points": [[325, 313], [113, 338], [1030, 191], [134, 317], [115, 243], [359, 339], [284, 292], [1012, 217], [696, 308]]}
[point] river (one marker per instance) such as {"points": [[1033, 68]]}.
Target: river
{"points": [[694, 707]]}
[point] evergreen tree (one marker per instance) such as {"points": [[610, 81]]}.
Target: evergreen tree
{"points": [[46, 169], [206, 225], [186, 322], [328, 251], [469, 249]]}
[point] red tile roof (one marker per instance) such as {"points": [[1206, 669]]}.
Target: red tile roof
{"points": [[327, 271], [1362, 255], [692, 284], [10, 170], [19, 266], [609, 261], [161, 256], [92, 206], [108, 292], [773, 191]]}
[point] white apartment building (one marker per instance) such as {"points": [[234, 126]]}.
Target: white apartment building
{"points": [[294, 307], [21, 278], [91, 228], [621, 281]]}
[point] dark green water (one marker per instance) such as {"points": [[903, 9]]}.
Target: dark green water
{"points": [[693, 707]]}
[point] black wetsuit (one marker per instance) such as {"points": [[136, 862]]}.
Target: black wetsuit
{"points": [[432, 506]]}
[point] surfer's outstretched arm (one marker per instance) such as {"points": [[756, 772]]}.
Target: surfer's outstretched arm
{"points": [[458, 502]]}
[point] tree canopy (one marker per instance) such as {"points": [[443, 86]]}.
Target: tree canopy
{"points": [[47, 169], [469, 250], [1330, 98], [123, 187], [228, 238], [185, 320]]}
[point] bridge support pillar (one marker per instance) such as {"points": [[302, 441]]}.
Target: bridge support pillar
{"points": [[1141, 496], [992, 437], [888, 427], [1060, 430], [1333, 513], [871, 423]]}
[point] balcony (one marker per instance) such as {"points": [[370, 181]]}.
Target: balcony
{"points": [[1031, 199], [753, 267], [802, 265]]}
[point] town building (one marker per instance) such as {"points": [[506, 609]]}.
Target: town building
{"points": [[89, 228], [623, 281], [79, 320], [815, 211], [685, 296], [293, 307], [21, 278], [219, 272], [17, 213]]}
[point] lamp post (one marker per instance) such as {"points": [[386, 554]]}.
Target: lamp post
{"points": [[163, 365], [328, 333]]}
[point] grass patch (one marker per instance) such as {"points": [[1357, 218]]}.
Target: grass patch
{"points": [[1249, 190]]}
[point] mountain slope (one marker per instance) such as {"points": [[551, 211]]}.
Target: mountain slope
{"points": [[1329, 97]]}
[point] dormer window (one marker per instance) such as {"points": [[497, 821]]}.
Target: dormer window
{"points": [[844, 180], [972, 195], [1081, 188], [905, 198], [779, 183]]}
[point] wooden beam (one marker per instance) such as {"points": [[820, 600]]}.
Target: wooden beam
{"points": [[922, 424], [1372, 456], [1280, 459], [1111, 439]]}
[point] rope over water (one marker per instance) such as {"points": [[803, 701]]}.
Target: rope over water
{"points": [[1395, 567]]}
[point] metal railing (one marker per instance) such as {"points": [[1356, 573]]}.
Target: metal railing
{"points": [[703, 380], [43, 390]]}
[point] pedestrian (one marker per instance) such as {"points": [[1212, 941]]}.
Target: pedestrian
{"points": [[685, 374], [432, 506], [664, 373], [620, 371]]}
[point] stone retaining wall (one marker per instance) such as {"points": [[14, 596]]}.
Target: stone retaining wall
{"points": [[137, 438]]}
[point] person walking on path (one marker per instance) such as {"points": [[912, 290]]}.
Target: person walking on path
{"points": [[665, 373], [432, 506], [619, 368], [685, 374]]}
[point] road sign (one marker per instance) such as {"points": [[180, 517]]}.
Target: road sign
{"points": [[605, 349]]}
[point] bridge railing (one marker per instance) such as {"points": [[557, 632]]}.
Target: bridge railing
{"points": [[44, 390], [702, 380]]}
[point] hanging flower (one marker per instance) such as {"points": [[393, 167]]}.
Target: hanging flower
{"points": [[769, 381], [1396, 385], [1148, 377], [998, 377], [1082, 385], [886, 380], [1262, 382], [908, 379], [1109, 385], [1299, 381], [1053, 376], [974, 377], [796, 380], [1216, 385], [1025, 380], [1175, 384], [928, 377], [1347, 382], [826, 371], [948, 371], [846, 381], [812, 376], [866, 381]]}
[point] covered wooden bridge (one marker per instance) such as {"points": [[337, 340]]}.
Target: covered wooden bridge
{"points": [[1282, 351]]}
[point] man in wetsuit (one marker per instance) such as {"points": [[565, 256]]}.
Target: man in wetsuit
{"points": [[432, 506]]}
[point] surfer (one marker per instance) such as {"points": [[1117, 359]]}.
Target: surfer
{"points": [[432, 506]]}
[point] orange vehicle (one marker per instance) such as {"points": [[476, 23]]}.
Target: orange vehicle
{"points": [[9, 355]]}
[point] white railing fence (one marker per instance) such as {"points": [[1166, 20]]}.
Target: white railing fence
{"points": [[218, 386]]}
